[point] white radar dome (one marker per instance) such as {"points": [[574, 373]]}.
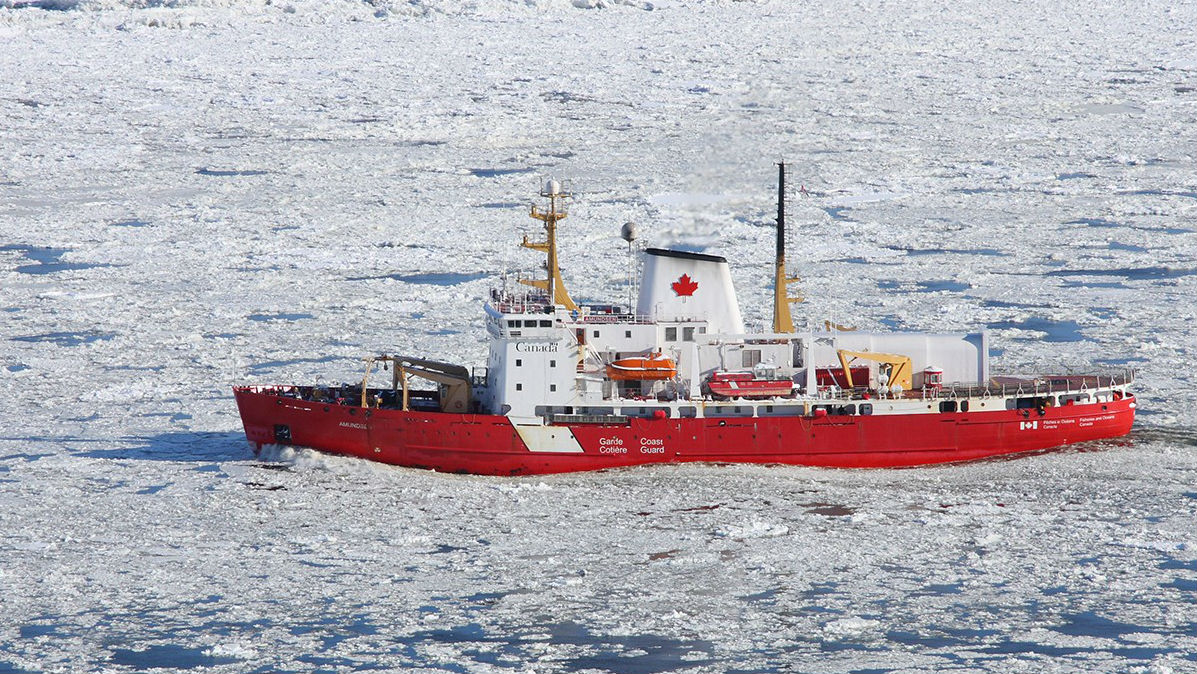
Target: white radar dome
{"points": [[629, 232]]}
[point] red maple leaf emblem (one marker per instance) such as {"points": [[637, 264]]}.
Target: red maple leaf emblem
{"points": [[684, 286]]}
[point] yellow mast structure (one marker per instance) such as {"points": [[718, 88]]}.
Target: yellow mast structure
{"points": [[782, 321], [553, 285]]}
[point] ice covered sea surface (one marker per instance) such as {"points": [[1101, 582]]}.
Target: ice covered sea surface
{"points": [[198, 194]]}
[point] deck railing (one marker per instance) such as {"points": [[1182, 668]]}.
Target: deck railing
{"points": [[1035, 386]]}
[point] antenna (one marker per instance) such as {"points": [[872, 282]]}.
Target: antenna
{"points": [[782, 321], [781, 211]]}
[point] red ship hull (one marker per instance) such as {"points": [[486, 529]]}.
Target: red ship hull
{"points": [[487, 444]]}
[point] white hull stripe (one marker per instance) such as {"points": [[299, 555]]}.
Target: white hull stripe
{"points": [[557, 439]]}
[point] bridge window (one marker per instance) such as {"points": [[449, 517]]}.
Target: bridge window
{"points": [[687, 334], [751, 357], [671, 334]]}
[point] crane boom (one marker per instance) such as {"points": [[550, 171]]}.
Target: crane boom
{"points": [[899, 366]]}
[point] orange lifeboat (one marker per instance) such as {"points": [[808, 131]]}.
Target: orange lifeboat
{"points": [[642, 368]]}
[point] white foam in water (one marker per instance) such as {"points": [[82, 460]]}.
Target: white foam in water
{"points": [[287, 164]]}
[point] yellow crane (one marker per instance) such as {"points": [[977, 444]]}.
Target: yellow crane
{"points": [[897, 369], [454, 381]]}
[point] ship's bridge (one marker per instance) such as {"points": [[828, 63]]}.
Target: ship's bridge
{"points": [[546, 353], [525, 313]]}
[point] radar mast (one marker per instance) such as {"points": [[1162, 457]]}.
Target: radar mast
{"points": [[553, 285]]}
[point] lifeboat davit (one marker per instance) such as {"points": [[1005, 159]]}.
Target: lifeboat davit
{"points": [[748, 385], [642, 368]]}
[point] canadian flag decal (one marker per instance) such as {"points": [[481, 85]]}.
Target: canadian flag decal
{"points": [[684, 286]]}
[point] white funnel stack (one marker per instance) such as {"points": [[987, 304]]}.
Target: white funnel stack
{"points": [[689, 286]]}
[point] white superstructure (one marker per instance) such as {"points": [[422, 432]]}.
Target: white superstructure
{"points": [[546, 359]]}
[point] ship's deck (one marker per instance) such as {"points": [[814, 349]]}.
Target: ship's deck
{"points": [[1003, 393]]}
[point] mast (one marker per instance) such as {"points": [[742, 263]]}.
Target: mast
{"points": [[782, 321], [553, 285]]}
